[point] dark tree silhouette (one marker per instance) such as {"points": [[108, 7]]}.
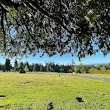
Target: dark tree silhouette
{"points": [[80, 27], [15, 65], [7, 65], [21, 66], [35, 67]]}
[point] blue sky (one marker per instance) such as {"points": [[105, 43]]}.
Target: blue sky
{"points": [[65, 59]]}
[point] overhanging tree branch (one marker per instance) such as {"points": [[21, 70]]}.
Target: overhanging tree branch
{"points": [[36, 7], [2, 24], [48, 23], [9, 3]]}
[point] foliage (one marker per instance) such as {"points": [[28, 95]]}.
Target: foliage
{"points": [[92, 69], [26, 69], [70, 71], [31, 67], [21, 66], [83, 69], [7, 65], [11, 70], [1, 67], [78, 27], [15, 65], [35, 67], [77, 69], [100, 72], [52, 67], [22, 71], [28, 66], [103, 68]]}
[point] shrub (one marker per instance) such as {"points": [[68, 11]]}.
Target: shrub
{"points": [[101, 72], [11, 70], [92, 70], [77, 69], [83, 69], [22, 71], [26, 69], [70, 71]]}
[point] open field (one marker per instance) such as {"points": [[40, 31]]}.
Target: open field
{"points": [[36, 91]]}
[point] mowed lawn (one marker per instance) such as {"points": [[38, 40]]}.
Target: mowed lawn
{"points": [[36, 91]]}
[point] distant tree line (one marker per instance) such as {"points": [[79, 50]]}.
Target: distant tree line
{"points": [[52, 67], [26, 67], [101, 68]]}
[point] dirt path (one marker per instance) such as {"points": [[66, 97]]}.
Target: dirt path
{"points": [[95, 78]]}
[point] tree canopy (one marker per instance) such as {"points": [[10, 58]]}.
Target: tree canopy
{"points": [[80, 27]]}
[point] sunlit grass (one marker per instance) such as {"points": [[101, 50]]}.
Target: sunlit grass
{"points": [[36, 91]]}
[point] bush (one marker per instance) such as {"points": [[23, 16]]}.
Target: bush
{"points": [[26, 69], [92, 70], [83, 69], [77, 69], [11, 70], [70, 71], [22, 71], [101, 72]]}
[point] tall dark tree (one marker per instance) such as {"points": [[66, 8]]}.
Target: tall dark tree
{"points": [[34, 67], [47, 67], [21, 66], [31, 67], [41, 67], [57, 68], [38, 66], [15, 65], [52, 66], [1, 67], [80, 27], [7, 65]]}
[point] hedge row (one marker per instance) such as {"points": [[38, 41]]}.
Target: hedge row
{"points": [[100, 72]]}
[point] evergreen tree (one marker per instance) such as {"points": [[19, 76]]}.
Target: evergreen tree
{"points": [[1, 67], [15, 65], [28, 66], [31, 67], [57, 68], [26, 69], [35, 67], [47, 67], [41, 67], [7, 65], [21, 66], [38, 67]]}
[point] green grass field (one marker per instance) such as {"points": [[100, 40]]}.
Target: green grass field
{"points": [[36, 91]]}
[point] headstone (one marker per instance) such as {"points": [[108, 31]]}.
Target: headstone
{"points": [[79, 99], [50, 106]]}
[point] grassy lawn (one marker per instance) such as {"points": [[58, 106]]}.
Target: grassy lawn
{"points": [[36, 91]]}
